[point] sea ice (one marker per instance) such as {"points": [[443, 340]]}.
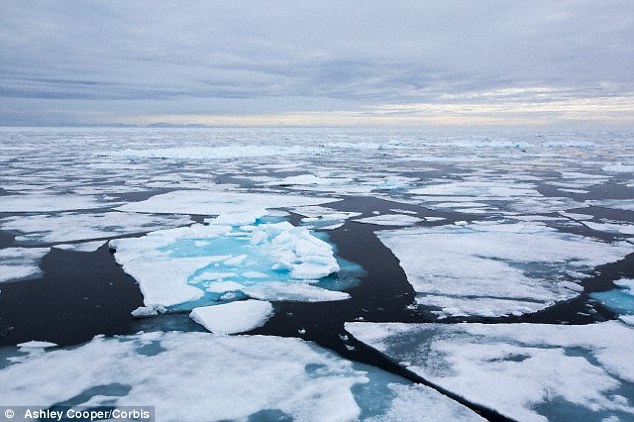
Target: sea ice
{"points": [[289, 292], [203, 261], [20, 263], [218, 201], [621, 299], [233, 317], [390, 220], [70, 227], [199, 376], [49, 203], [528, 372], [494, 269], [81, 247]]}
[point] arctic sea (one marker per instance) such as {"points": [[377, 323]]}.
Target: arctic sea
{"points": [[319, 273]]}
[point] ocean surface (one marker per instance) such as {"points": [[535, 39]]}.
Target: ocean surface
{"points": [[416, 271]]}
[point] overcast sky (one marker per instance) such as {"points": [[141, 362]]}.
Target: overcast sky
{"points": [[317, 62]]}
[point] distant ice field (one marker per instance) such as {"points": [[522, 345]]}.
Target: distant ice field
{"points": [[466, 256]]}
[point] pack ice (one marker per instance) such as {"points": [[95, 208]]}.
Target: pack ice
{"points": [[20, 263], [233, 256], [220, 378], [495, 269], [528, 372]]}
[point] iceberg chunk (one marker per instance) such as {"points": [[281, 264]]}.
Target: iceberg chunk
{"points": [[199, 263], [233, 317]]}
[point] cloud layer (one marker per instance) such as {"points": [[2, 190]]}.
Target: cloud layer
{"points": [[91, 62]]}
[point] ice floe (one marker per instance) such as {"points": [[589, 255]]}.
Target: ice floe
{"points": [[20, 263], [495, 269], [48, 203], [390, 220], [219, 201], [202, 262], [528, 372], [81, 247], [234, 317], [69, 227], [220, 378]]}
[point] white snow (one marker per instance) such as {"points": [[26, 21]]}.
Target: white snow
{"points": [[233, 317], [494, 269], [621, 228], [521, 370], [70, 227], [20, 263], [218, 201], [47, 203], [390, 220], [191, 377], [183, 265], [33, 344], [293, 292]]}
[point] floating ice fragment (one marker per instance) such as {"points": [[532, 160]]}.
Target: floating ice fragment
{"points": [[495, 269], [193, 263], [48, 203], [148, 311], [390, 220], [36, 345], [563, 369], [20, 263], [81, 247], [215, 202], [294, 292], [69, 227], [233, 317]]}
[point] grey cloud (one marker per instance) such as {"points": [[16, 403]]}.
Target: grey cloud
{"points": [[354, 53]]}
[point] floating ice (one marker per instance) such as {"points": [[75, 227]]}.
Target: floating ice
{"points": [[203, 261], [528, 372], [292, 292], [495, 269], [618, 168], [211, 377], [36, 345], [233, 317], [621, 299], [215, 202], [390, 220], [48, 203], [20, 263], [69, 227], [81, 247], [610, 227]]}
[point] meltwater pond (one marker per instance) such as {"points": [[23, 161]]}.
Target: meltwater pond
{"points": [[400, 251]]}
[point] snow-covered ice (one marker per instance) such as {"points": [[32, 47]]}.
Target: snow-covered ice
{"points": [[195, 263], [48, 203], [390, 220], [199, 376], [81, 247], [495, 269], [70, 226], [219, 201], [528, 372], [20, 263], [234, 317]]}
